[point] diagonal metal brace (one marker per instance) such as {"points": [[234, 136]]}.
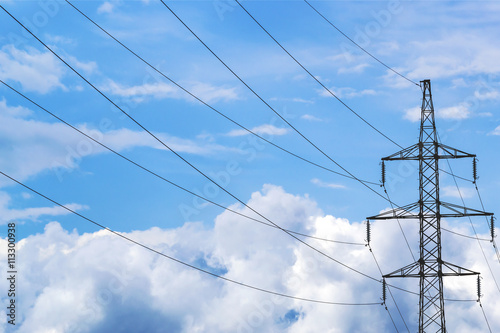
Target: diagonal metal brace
{"points": [[414, 270]]}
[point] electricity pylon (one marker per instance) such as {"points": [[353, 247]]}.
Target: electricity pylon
{"points": [[430, 267]]}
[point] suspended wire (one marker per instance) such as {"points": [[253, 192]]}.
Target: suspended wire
{"points": [[208, 105], [178, 260], [166, 180], [390, 292], [190, 164], [314, 77], [472, 225], [363, 49], [465, 236], [196, 169], [267, 104], [492, 238], [451, 174], [401, 227], [484, 315]]}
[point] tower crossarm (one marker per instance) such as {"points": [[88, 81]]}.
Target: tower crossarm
{"points": [[410, 153], [415, 270], [449, 152], [453, 210], [415, 153], [406, 212]]}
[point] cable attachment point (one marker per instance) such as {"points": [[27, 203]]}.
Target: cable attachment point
{"points": [[474, 170], [384, 291], [368, 233], [383, 173]]}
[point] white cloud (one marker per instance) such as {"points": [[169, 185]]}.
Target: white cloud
{"points": [[459, 54], [453, 192], [490, 95], [106, 8], [320, 183], [457, 112], [496, 131], [36, 71], [266, 129], [413, 114], [358, 69], [65, 288], [161, 90], [310, 117], [347, 92], [460, 111], [33, 213], [30, 146]]}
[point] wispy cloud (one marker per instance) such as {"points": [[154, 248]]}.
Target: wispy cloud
{"points": [[496, 131], [266, 129], [161, 90], [106, 8], [347, 92], [320, 183], [310, 117], [457, 112], [39, 145], [34, 70], [32, 213], [454, 192]]}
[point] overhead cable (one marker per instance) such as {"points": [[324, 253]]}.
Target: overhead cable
{"points": [[166, 180], [119, 234], [359, 46]]}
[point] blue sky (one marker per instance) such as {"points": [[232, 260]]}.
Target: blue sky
{"points": [[454, 44]]}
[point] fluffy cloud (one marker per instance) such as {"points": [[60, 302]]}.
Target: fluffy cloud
{"points": [[97, 282]]}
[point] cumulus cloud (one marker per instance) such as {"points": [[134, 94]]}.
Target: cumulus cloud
{"points": [[97, 282], [266, 129]]}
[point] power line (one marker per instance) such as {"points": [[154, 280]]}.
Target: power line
{"points": [[178, 260], [267, 104], [322, 85], [473, 228], [186, 161], [390, 292], [166, 180], [314, 77], [363, 49], [205, 103]]}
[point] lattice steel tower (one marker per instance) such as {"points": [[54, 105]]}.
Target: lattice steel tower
{"points": [[430, 267]]}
